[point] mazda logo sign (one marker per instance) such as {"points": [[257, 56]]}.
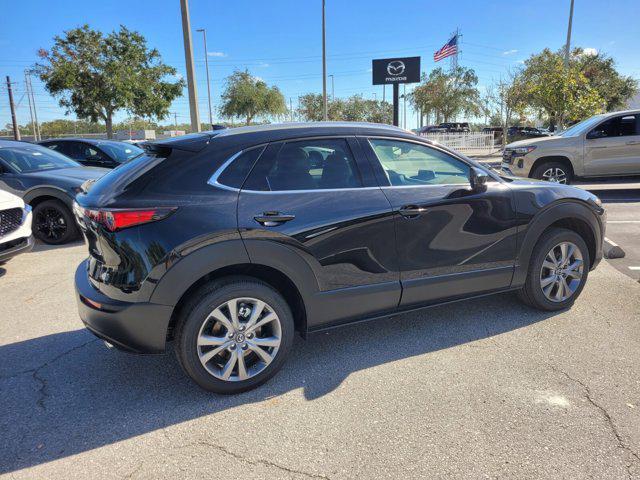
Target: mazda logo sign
{"points": [[395, 68]]}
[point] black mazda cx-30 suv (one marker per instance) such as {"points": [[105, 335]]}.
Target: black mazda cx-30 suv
{"points": [[228, 242]]}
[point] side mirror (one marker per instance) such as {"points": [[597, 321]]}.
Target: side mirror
{"points": [[478, 179]]}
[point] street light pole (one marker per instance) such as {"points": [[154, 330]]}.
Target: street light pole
{"points": [[191, 73], [206, 64], [324, 68], [567, 48], [333, 95]]}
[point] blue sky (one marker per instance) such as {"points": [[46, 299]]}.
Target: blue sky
{"points": [[279, 40]]}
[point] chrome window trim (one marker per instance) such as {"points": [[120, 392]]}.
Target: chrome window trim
{"points": [[213, 180]]}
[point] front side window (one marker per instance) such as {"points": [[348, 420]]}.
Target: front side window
{"points": [[617, 127], [33, 158], [306, 165], [408, 164]]}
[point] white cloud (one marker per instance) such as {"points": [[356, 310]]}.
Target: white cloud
{"points": [[510, 52], [590, 51], [217, 54], [263, 65]]}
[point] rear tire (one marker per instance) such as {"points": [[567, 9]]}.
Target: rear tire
{"points": [[544, 289], [206, 328], [556, 172], [53, 223]]}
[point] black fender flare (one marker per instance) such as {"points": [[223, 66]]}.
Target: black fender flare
{"points": [[563, 209], [48, 191], [207, 259]]}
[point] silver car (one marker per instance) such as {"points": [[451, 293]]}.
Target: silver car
{"points": [[601, 146]]}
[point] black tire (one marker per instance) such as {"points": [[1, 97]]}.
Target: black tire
{"points": [[540, 170], [195, 313], [53, 223], [532, 293]]}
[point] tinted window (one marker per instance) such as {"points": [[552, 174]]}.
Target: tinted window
{"points": [[235, 173], [307, 165], [33, 158], [120, 151], [406, 163], [618, 127]]}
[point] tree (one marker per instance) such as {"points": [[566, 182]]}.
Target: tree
{"points": [[94, 76], [504, 100], [248, 97], [354, 109], [445, 95]]}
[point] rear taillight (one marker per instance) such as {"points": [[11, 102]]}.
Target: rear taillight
{"points": [[118, 219]]}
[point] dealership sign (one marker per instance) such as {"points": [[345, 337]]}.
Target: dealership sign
{"points": [[396, 70]]}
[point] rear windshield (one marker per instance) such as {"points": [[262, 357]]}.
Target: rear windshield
{"points": [[121, 152], [33, 158]]}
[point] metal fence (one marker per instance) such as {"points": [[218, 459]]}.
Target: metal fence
{"points": [[465, 142]]}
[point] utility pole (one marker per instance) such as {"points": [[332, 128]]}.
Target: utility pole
{"points": [[191, 73], [291, 108], [333, 94], [12, 107], [33, 102], [384, 91], [325, 116], [206, 64], [33, 125], [175, 119], [404, 105], [567, 48]]}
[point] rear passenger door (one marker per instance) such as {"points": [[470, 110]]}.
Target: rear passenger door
{"points": [[319, 197]]}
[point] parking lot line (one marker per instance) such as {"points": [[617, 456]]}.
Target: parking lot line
{"points": [[634, 268], [623, 221]]}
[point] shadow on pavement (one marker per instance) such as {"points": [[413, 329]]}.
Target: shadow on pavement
{"points": [[43, 247], [66, 393]]}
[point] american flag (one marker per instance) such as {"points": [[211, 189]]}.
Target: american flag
{"points": [[450, 48]]}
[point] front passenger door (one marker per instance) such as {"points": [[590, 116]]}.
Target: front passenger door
{"points": [[452, 241], [613, 147]]}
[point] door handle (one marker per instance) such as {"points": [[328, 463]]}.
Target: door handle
{"points": [[273, 219], [411, 211]]}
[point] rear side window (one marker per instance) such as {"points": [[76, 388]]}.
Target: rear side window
{"points": [[237, 170], [407, 164], [618, 127], [324, 164]]}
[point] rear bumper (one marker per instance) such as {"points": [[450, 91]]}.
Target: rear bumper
{"points": [[134, 327], [15, 247]]}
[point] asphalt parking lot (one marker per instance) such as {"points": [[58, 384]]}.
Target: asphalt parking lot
{"points": [[623, 228], [479, 389]]}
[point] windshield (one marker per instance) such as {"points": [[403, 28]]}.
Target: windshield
{"points": [[581, 127], [33, 158], [121, 152]]}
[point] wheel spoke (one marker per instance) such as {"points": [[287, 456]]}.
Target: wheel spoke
{"points": [[566, 289], [546, 281], [563, 253], [220, 317], [267, 341], [242, 368], [550, 265], [270, 317], [208, 340], [204, 358], [559, 291], [547, 290], [262, 353], [255, 313], [228, 368], [232, 305]]}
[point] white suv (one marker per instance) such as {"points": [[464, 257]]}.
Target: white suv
{"points": [[601, 146], [15, 226]]}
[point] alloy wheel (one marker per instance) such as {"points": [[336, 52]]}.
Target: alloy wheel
{"points": [[555, 175], [50, 223], [561, 272], [239, 339]]}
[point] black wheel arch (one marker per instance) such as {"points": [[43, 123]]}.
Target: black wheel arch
{"points": [[40, 194], [552, 158], [572, 214]]}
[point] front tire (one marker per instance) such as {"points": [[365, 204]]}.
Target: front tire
{"points": [[555, 172], [558, 270], [53, 223], [234, 334]]}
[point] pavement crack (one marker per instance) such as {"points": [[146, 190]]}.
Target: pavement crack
{"points": [[35, 372], [633, 456], [255, 462]]}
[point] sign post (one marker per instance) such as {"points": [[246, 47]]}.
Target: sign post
{"points": [[396, 71]]}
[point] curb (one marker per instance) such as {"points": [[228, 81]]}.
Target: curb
{"points": [[612, 250]]}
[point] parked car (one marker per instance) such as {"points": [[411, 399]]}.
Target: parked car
{"points": [[15, 226], [601, 146], [498, 133], [227, 242], [48, 181], [432, 129], [455, 127], [521, 133], [94, 153]]}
